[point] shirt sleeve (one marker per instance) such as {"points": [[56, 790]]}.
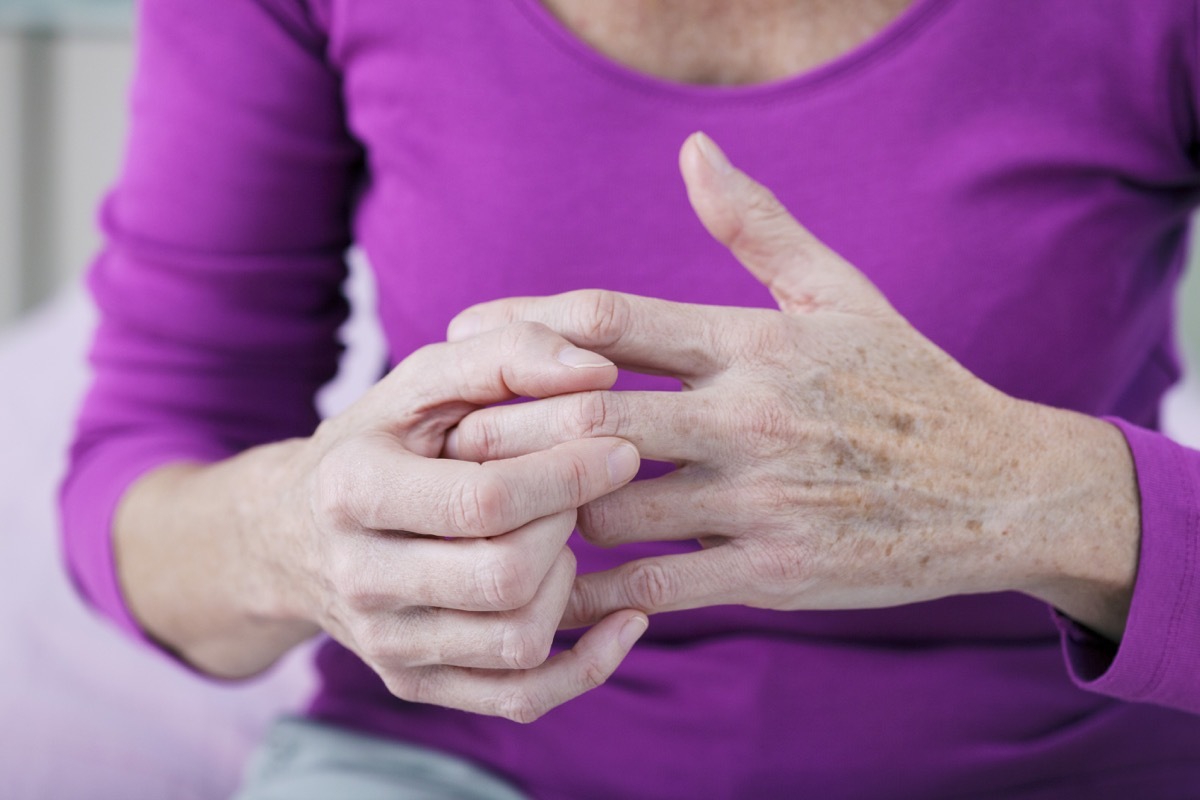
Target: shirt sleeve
{"points": [[1158, 658], [219, 289]]}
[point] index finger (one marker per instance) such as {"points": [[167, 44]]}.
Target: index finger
{"points": [[645, 334], [393, 489], [660, 583]]}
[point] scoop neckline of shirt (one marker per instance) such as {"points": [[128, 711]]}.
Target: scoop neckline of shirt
{"points": [[895, 33]]}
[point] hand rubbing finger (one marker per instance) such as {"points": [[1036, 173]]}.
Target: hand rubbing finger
{"points": [[525, 695]]}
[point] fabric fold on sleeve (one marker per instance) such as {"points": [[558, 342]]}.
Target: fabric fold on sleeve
{"points": [[219, 287], [1158, 658], [89, 500]]}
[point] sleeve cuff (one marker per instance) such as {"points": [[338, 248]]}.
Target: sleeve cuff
{"points": [[1158, 658], [89, 496]]}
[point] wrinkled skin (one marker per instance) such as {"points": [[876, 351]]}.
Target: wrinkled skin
{"points": [[828, 454]]}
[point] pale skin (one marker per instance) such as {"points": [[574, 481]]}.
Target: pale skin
{"points": [[448, 578], [829, 455], [839, 459]]}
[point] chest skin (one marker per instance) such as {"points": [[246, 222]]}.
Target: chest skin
{"points": [[717, 42]]}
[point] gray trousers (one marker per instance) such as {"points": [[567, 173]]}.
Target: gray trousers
{"points": [[305, 760]]}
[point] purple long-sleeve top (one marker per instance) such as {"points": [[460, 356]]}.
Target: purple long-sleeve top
{"points": [[1017, 177]]}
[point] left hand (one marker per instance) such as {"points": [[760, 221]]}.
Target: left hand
{"points": [[829, 455]]}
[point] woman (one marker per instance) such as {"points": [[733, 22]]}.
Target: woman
{"points": [[928, 568]]}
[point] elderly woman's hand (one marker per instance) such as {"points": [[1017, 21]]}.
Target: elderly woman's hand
{"points": [[449, 579], [829, 455]]}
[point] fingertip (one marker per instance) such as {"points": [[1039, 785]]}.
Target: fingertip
{"points": [[707, 176], [711, 153], [689, 154], [624, 460], [694, 167], [632, 630], [578, 358], [700, 156]]}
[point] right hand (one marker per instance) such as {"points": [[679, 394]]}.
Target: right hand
{"points": [[449, 578]]}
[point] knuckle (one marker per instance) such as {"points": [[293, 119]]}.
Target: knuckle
{"points": [[350, 582], [346, 495], [651, 586], [504, 583], [594, 674], [604, 316], [479, 438], [487, 440], [523, 647], [584, 607], [477, 506], [357, 596], [593, 522], [592, 414], [517, 705], [377, 644]]}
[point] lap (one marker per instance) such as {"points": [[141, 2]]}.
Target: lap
{"points": [[302, 760]]}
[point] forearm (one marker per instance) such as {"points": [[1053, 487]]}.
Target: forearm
{"points": [[1081, 520], [185, 542]]}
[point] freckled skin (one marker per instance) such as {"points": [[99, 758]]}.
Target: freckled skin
{"points": [[835, 457]]}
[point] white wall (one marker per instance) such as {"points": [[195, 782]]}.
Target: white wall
{"points": [[10, 177], [62, 121], [86, 140], [1189, 304]]}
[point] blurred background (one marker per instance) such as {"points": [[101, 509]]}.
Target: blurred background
{"points": [[64, 66], [83, 711]]}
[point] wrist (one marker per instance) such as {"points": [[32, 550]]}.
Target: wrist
{"points": [[188, 541], [266, 611], [270, 503], [1081, 519]]}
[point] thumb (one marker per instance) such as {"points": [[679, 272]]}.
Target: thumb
{"points": [[803, 274]]}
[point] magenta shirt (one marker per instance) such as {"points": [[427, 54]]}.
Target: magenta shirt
{"points": [[1017, 177]]}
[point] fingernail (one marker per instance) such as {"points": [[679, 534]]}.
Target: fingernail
{"points": [[578, 358], [713, 155], [632, 630], [464, 326], [623, 463]]}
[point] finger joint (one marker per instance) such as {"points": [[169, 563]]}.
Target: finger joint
{"points": [[478, 505], [651, 586]]}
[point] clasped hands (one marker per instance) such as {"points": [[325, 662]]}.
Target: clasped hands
{"points": [[827, 456]]}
